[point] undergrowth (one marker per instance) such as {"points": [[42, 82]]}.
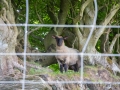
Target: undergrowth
{"points": [[54, 72]]}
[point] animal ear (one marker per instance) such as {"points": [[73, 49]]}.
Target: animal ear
{"points": [[65, 37], [53, 36]]}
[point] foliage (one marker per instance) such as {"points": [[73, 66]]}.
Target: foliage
{"points": [[56, 71], [41, 12], [54, 67], [36, 38], [0, 6]]}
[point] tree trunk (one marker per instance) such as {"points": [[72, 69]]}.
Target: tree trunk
{"points": [[82, 35], [8, 40]]}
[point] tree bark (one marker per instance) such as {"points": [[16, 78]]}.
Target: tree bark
{"points": [[111, 14], [8, 40], [64, 8], [82, 35]]}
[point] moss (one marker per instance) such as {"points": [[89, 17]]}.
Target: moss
{"points": [[114, 76], [88, 74], [33, 71], [109, 61], [91, 67]]}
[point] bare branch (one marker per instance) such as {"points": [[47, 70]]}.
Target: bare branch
{"points": [[106, 38], [118, 45], [37, 37], [113, 11], [75, 22], [113, 42], [109, 17], [74, 42], [79, 17], [78, 34], [39, 17], [33, 30], [6, 4]]}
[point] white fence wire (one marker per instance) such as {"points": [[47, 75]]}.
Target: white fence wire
{"points": [[25, 43], [81, 81]]}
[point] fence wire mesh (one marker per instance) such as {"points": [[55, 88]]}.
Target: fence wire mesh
{"points": [[83, 53]]}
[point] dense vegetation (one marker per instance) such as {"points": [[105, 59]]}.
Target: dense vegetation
{"points": [[44, 11], [61, 12]]}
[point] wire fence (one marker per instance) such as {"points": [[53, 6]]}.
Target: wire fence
{"points": [[81, 81]]}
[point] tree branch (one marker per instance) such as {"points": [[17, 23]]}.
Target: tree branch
{"points": [[6, 4], [118, 45], [52, 15], [38, 38], [64, 8], [113, 42], [106, 39], [113, 11], [33, 30], [79, 17], [38, 15], [78, 34]]}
